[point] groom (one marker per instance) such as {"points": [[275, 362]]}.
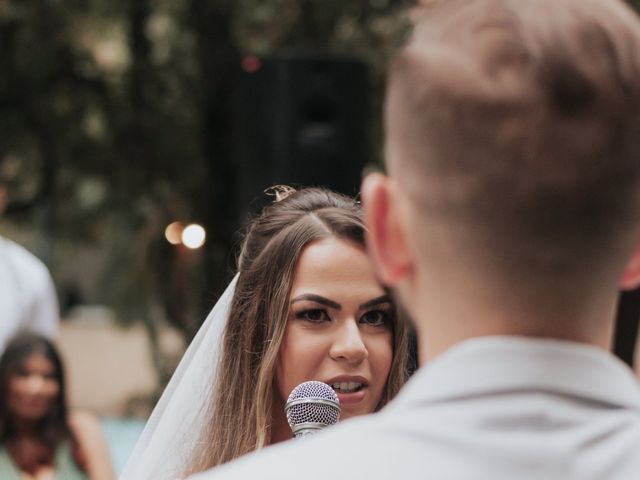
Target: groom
{"points": [[509, 219]]}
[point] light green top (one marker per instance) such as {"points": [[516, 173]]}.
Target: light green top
{"points": [[65, 467]]}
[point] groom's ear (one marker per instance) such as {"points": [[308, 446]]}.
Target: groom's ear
{"points": [[386, 230]]}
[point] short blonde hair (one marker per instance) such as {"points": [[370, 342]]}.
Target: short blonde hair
{"points": [[520, 119]]}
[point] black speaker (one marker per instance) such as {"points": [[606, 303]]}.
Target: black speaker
{"points": [[300, 121]]}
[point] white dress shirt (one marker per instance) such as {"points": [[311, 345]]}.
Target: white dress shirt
{"points": [[28, 299], [490, 408]]}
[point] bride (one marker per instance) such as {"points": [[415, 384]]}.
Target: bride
{"points": [[304, 305]]}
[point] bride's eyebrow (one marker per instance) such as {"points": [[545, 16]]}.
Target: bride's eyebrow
{"points": [[376, 301], [317, 299]]}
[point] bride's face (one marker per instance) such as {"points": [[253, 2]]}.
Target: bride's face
{"points": [[339, 327]]}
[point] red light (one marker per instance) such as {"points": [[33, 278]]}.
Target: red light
{"points": [[251, 64]]}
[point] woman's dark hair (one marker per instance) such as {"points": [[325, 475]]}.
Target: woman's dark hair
{"points": [[53, 428]]}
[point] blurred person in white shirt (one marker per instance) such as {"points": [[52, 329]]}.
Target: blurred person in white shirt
{"points": [[28, 300]]}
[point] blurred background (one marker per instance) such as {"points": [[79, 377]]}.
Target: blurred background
{"points": [[124, 122]]}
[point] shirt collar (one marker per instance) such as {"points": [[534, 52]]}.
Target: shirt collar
{"points": [[499, 364]]}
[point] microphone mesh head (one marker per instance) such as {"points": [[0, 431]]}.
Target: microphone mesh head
{"points": [[316, 402]]}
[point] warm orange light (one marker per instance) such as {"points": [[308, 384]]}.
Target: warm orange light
{"points": [[173, 233]]}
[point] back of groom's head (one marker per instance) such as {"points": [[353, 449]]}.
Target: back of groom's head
{"points": [[515, 126]]}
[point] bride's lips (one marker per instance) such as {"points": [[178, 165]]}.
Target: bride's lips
{"points": [[345, 397]]}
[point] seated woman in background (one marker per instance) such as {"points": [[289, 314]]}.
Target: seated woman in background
{"points": [[305, 305], [39, 438]]}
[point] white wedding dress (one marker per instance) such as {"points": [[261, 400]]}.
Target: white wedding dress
{"points": [[176, 423]]}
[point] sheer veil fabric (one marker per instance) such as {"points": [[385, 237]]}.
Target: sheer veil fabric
{"points": [[176, 423]]}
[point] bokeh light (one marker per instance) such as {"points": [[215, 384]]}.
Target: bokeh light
{"points": [[173, 233], [251, 64], [193, 236]]}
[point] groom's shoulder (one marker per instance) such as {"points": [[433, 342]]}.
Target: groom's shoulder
{"points": [[341, 451]]}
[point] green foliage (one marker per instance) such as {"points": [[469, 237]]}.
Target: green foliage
{"points": [[115, 121]]}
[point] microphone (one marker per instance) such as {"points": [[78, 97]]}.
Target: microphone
{"points": [[311, 406]]}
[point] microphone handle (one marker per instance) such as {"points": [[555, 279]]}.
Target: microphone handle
{"points": [[307, 429]]}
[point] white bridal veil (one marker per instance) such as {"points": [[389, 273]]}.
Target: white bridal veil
{"points": [[177, 421]]}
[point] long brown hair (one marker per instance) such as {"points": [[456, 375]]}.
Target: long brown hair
{"points": [[240, 414]]}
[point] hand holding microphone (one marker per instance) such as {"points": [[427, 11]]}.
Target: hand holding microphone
{"points": [[311, 406]]}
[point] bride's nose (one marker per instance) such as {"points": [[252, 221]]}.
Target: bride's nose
{"points": [[348, 344]]}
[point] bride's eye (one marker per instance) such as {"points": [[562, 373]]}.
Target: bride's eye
{"points": [[376, 318], [314, 315]]}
